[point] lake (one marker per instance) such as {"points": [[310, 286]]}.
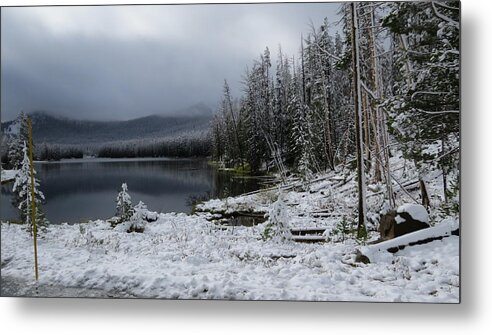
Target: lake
{"points": [[82, 189]]}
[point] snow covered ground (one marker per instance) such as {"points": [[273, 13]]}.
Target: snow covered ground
{"points": [[192, 257], [8, 175], [182, 256]]}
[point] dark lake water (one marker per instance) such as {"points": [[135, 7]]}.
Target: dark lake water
{"points": [[79, 190]]}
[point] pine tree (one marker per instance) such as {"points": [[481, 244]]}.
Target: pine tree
{"points": [[124, 208], [23, 194], [424, 109], [301, 134], [137, 220], [217, 134], [319, 64], [258, 104], [17, 140], [281, 118]]}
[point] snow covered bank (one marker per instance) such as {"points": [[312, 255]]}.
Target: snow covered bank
{"points": [[181, 256], [8, 175], [193, 256]]}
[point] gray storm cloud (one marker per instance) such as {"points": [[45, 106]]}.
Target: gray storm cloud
{"points": [[122, 62]]}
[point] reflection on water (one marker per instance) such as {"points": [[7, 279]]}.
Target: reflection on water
{"points": [[80, 190]]}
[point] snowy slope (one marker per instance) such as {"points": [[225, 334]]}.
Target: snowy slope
{"points": [[183, 256]]}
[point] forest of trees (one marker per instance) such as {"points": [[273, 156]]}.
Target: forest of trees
{"points": [[53, 152], [388, 80], [11, 152], [178, 147]]}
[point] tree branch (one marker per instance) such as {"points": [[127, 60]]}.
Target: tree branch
{"points": [[371, 93], [429, 93], [327, 53], [444, 17]]}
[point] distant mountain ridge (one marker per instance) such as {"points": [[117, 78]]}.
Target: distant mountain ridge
{"points": [[51, 129]]}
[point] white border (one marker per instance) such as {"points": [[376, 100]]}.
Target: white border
{"points": [[473, 316]]}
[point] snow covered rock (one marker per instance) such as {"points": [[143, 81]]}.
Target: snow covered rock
{"points": [[415, 211], [406, 219]]}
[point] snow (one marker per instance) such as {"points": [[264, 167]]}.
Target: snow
{"points": [[181, 256], [13, 129], [278, 226], [8, 175], [416, 211], [194, 257], [379, 251]]}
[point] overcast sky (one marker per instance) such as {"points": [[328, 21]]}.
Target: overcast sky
{"points": [[123, 62]]}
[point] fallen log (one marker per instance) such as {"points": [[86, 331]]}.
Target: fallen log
{"points": [[308, 231], [443, 230], [309, 238]]}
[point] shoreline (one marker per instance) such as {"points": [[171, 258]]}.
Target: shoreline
{"points": [[181, 256]]}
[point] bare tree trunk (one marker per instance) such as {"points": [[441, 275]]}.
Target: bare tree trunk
{"points": [[303, 74], [367, 133], [444, 174], [361, 227], [374, 108], [377, 145], [328, 129], [425, 195], [379, 117], [387, 169]]}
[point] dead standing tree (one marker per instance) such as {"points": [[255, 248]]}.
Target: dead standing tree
{"points": [[361, 177]]}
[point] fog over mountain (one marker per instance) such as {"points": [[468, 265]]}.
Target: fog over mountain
{"points": [[54, 129], [123, 62]]}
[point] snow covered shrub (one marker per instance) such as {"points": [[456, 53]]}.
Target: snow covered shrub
{"points": [[341, 231], [124, 208], [451, 206], [137, 221], [23, 195], [277, 227]]}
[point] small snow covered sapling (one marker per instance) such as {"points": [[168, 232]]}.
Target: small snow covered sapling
{"points": [[278, 226], [137, 221], [339, 233], [124, 208]]}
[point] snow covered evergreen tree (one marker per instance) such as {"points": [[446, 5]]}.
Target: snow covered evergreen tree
{"points": [[304, 148], [277, 227], [23, 194], [258, 105], [137, 220], [124, 208], [16, 141], [424, 109]]}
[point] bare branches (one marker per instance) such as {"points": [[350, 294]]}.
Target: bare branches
{"points": [[438, 112], [327, 53], [412, 97], [443, 17], [371, 93], [443, 5]]}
